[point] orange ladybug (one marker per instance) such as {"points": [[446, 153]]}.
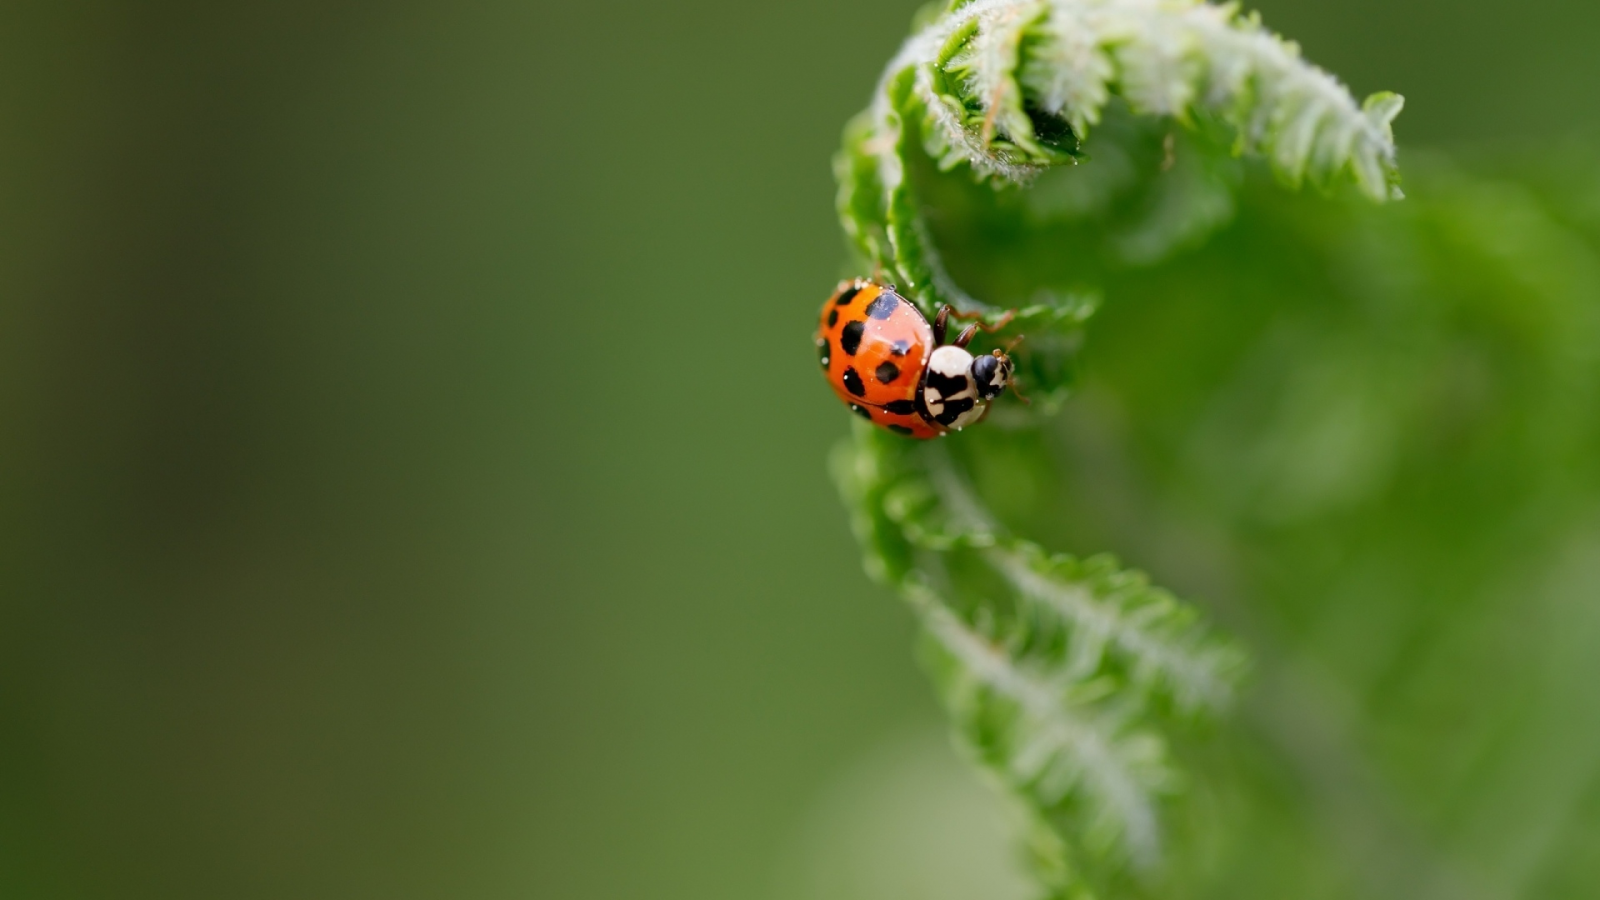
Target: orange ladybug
{"points": [[893, 368]]}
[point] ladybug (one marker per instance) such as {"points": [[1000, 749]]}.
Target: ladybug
{"points": [[894, 369]]}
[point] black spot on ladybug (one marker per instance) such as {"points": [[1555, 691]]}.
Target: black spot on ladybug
{"points": [[850, 337], [947, 385], [846, 295], [884, 306], [901, 407], [833, 317], [953, 410], [945, 391], [852, 382], [861, 411], [900, 348], [822, 351], [887, 372], [899, 429]]}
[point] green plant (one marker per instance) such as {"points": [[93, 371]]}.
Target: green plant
{"points": [[1285, 367]]}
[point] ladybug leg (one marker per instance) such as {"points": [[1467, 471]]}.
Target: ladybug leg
{"points": [[972, 330], [1003, 321], [941, 323]]}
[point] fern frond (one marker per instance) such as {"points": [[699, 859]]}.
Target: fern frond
{"points": [[1048, 736], [1053, 668], [1098, 607], [1011, 88], [987, 68], [1105, 609], [1067, 676]]}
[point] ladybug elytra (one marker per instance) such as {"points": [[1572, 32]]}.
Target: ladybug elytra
{"points": [[893, 368]]}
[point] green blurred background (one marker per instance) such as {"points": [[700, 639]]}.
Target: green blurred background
{"points": [[411, 456]]}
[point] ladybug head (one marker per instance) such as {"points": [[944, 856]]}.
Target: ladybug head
{"points": [[992, 373]]}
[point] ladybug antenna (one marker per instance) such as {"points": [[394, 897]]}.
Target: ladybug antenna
{"points": [[1014, 342], [1020, 396]]}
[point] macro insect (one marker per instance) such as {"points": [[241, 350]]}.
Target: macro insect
{"points": [[891, 366]]}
